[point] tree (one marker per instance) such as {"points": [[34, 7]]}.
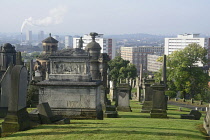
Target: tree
{"points": [[121, 69], [183, 72]]}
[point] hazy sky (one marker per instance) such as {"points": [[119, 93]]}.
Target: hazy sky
{"points": [[106, 16]]}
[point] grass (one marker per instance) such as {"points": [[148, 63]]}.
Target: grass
{"points": [[130, 126]]}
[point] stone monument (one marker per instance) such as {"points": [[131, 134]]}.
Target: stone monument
{"points": [[17, 118], [159, 100], [73, 86], [147, 95], [5, 91], [123, 101]]}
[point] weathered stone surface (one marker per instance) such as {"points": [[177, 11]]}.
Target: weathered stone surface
{"points": [[111, 112], [206, 122], [5, 91], [147, 95], [17, 118], [123, 100], [159, 102], [187, 116], [196, 113], [45, 113]]}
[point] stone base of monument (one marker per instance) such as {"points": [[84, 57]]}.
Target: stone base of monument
{"points": [[124, 109], [146, 107], [158, 113], [187, 116], [16, 121], [111, 112], [3, 112], [194, 115]]}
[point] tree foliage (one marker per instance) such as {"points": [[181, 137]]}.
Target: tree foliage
{"points": [[183, 72], [121, 69]]}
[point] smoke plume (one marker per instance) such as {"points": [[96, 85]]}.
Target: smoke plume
{"points": [[55, 17]]}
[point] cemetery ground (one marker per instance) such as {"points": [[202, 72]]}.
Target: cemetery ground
{"points": [[130, 126]]}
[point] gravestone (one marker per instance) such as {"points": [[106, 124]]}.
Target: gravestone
{"points": [[5, 91], [196, 113], [147, 95], [17, 118], [159, 102], [206, 123], [111, 111], [45, 113], [123, 101]]}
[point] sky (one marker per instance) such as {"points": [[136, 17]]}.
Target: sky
{"points": [[110, 17]]}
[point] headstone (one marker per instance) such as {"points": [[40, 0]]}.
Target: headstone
{"points": [[183, 100], [5, 91], [111, 112], [180, 109], [159, 102], [192, 101], [176, 99], [206, 123], [147, 95], [17, 118], [187, 116], [123, 102], [196, 113], [45, 113], [201, 102]]}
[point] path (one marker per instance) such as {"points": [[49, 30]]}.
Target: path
{"points": [[185, 105]]}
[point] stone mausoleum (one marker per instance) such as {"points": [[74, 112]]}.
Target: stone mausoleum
{"points": [[72, 79]]}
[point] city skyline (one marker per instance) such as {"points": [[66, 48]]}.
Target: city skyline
{"points": [[107, 17]]}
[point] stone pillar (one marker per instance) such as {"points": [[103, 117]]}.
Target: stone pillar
{"points": [[159, 102], [31, 69], [123, 102]]}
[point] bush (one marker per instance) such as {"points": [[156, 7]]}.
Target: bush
{"points": [[171, 94]]}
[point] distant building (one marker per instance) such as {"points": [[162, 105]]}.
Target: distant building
{"points": [[40, 36], [29, 36], [182, 40], [68, 42], [152, 64], [108, 45], [138, 55]]}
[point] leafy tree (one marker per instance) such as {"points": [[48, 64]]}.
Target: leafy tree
{"points": [[183, 72], [121, 69]]}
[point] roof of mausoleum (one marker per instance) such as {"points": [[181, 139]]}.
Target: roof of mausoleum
{"points": [[50, 40]]}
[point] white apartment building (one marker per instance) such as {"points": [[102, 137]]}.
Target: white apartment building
{"points": [[108, 45], [68, 42], [182, 40], [138, 55]]}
